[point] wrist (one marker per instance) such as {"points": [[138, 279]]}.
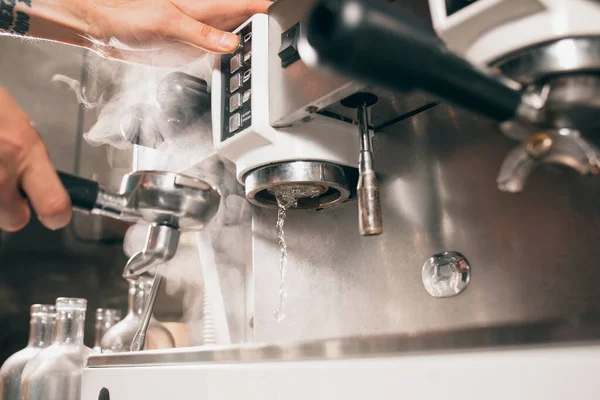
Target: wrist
{"points": [[56, 20]]}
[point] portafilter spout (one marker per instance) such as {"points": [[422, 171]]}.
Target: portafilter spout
{"points": [[169, 202], [161, 245]]}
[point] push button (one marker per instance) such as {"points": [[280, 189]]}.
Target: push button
{"points": [[234, 122], [288, 52], [235, 102], [235, 63], [235, 82]]}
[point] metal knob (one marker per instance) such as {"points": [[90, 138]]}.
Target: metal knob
{"points": [[183, 98]]}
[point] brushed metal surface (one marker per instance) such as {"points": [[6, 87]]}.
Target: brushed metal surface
{"points": [[533, 254], [585, 329]]}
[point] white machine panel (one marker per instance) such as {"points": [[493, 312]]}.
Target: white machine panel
{"points": [[241, 121], [543, 373], [486, 30]]}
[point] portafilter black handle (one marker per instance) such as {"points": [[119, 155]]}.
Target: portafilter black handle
{"points": [[83, 192], [373, 42]]}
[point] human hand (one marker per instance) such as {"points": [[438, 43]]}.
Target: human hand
{"points": [[165, 32], [155, 32], [24, 163]]}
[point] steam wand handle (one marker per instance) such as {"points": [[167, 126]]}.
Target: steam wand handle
{"points": [[374, 42]]}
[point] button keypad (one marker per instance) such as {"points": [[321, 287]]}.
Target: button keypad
{"points": [[236, 70]]}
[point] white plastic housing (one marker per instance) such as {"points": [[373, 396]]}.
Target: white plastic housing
{"points": [[538, 373], [488, 30], [320, 138]]}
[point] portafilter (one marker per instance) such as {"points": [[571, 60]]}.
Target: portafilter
{"points": [[170, 203]]}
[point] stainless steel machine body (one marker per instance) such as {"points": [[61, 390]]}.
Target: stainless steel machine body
{"points": [[437, 166], [531, 258]]}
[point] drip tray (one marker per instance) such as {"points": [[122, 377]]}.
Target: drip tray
{"points": [[585, 329]]}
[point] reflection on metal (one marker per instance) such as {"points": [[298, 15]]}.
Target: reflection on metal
{"points": [[446, 274], [539, 145], [327, 183], [560, 76], [562, 146], [161, 198], [573, 330], [161, 245], [551, 59], [437, 173]]}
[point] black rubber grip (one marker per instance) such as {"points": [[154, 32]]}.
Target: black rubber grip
{"points": [[83, 192], [376, 43]]}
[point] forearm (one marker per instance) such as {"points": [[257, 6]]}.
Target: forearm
{"points": [[56, 20]]}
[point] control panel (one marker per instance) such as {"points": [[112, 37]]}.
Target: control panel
{"points": [[453, 6], [236, 71]]}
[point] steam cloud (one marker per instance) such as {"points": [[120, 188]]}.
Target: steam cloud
{"points": [[113, 87]]}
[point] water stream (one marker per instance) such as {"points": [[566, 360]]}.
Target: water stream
{"points": [[287, 197]]}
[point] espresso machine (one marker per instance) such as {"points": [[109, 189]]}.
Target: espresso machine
{"points": [[430, 119]]}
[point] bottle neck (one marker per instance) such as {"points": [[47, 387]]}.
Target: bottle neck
{"points": [[70, 326], [40, 330], [139, 292], [100, 330]]}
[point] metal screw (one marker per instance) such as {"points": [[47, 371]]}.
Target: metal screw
{"points": [[311, 109], [446, 274], [539, 145]]}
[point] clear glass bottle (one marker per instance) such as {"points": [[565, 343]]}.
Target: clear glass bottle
{"points": [[106, 318], [40, 335], [118, 338], [55, 373]]}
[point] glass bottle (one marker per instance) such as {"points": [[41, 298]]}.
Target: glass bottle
{"points": [[55, 373], [118, 338], [40, 334], [106, 318]]}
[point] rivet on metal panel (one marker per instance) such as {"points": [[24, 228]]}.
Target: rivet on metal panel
{"points": [[446, 274]]}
